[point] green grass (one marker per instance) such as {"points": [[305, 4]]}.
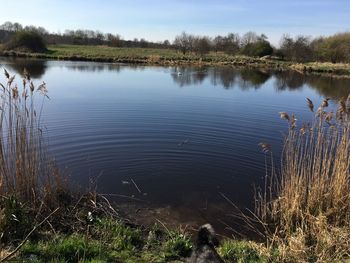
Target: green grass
{"points": [[110, 52], [71, 248], [110, 240], [136, 53], [139, 55], [241, 252]]}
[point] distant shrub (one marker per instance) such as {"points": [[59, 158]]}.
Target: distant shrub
{"points": [[334, 48], [257, 49], [26, 41]]}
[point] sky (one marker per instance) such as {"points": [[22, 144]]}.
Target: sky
{"points": [[157, 20]]}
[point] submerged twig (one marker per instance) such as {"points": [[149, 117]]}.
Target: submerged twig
{"points": [[138, 189]]}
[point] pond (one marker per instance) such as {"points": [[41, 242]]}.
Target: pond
{"points": [[171, 142]]}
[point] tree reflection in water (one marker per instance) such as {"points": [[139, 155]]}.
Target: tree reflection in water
{"points": [[246, 79], [226, 77]]}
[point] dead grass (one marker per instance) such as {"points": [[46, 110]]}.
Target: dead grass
{"points": [[26, 170], [305, 210], [338, 69]]}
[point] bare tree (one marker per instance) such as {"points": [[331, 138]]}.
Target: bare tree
{"points": [[232, 43], [7, 26], [184, 42], [302, 48], [113, 40], [297, 49], [218, 43], [249, 38], [17, 27], [202, 45]]}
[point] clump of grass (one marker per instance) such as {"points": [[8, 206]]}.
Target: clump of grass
{"points": [[306, 210], [120, 236], [72, 248], [240, 252], [177, 245], [110, 240]]}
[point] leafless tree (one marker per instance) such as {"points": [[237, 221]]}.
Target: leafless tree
{"points": [[184, 42]]}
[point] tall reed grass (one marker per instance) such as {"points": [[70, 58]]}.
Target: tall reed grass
{"points": [[26, 170], [305, 209]]}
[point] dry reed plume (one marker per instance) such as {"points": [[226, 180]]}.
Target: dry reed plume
{"points": [[26, 170], [305, 210], [32, 190]]}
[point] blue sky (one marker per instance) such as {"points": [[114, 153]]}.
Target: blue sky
{"points": [[161, 19]]}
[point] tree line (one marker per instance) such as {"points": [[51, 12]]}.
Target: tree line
{"points": [[335, 48], [249, 44], [77, 37]]}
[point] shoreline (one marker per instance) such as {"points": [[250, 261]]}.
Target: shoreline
{"points": [[118, 55], [89, 229]]}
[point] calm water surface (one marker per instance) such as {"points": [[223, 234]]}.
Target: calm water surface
{"points": [[184, 135]]}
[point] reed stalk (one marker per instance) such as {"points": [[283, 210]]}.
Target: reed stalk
{"points": [[27, 172], [306, 209]]}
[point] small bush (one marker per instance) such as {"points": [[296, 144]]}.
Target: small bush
{"points": [[258, 49], [26, 41]]}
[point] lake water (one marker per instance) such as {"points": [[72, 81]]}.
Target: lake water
{"points": [[176, 138]]}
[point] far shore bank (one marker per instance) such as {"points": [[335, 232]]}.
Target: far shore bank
{"points": [[169, 57]]}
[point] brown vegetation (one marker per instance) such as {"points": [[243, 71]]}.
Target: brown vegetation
{"points": [[335, 48], [26, 169], [305, 211]]}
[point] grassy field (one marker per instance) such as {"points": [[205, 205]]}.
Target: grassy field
{"points": [[141, 55], [111, 52]]}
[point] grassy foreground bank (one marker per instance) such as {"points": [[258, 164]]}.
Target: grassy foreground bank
{"points": [[173, 57], [97, 237]]}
